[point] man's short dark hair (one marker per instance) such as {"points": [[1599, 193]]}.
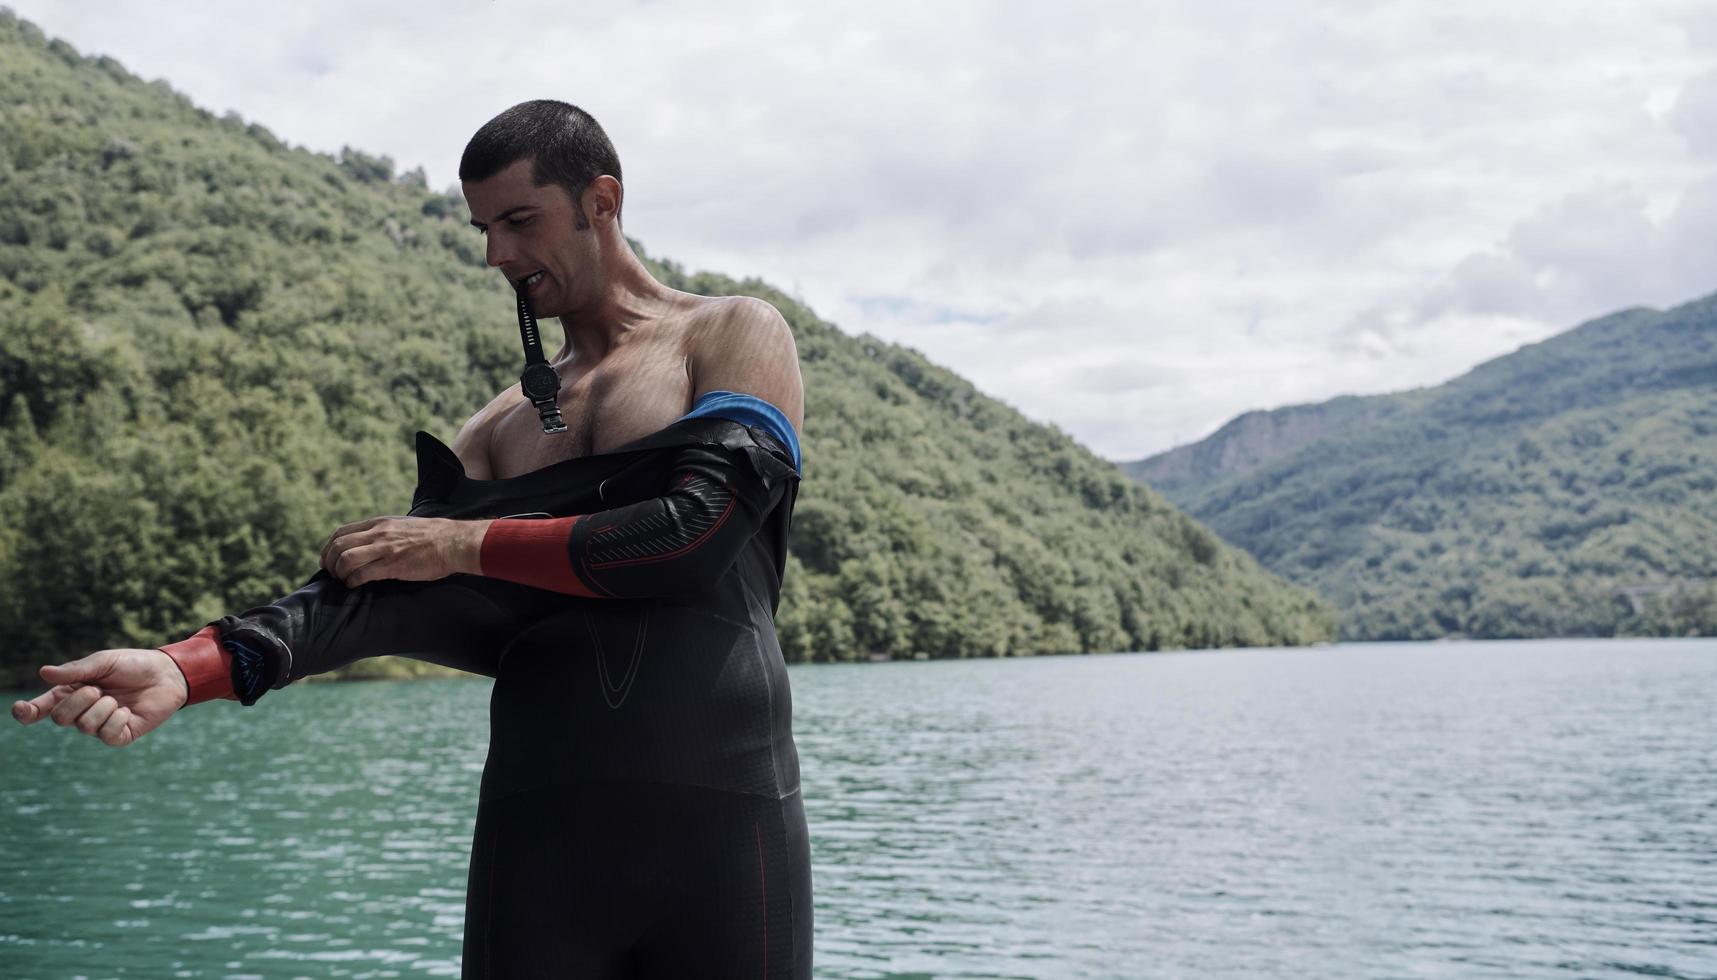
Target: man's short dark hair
{"points": [[565, 145]]}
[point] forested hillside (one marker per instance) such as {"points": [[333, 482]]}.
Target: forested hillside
{"points": [[1569, 488], [215, 348]]}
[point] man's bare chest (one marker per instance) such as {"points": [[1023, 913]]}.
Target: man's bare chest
{"points": [[604, 408]]}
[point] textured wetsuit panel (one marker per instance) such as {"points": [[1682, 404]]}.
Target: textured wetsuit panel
{"points": [[679, 543]]}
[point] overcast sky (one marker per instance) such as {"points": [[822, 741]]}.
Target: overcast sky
{"points": [[1132, 220]]}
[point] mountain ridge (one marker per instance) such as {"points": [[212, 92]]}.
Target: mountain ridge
{"points": [[1537, 494]]}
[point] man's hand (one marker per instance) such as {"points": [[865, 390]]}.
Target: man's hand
{"points": [[412, 549], [114, 695]]}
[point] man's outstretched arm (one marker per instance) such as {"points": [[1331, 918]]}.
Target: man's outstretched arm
{"points": [[120, 694], [324, 625], [328, 624]]}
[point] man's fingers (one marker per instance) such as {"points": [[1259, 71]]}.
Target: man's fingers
{"points": [[348, 563], [75, 704], [340, 532], [116, 730], [84, 669], [335, 549], [34, 710], [362, 525], [97, 714]]}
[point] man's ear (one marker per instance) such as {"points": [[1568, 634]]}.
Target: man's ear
{"points": [[604, 196]]}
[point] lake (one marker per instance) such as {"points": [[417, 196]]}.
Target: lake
{"points": [[1494, 809]]}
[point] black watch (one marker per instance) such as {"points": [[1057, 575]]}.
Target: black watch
{"points": [[541, 386], [540, 382]]}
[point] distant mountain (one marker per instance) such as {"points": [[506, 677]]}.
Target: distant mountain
{"points": [[1567, 488], [215, 348], [1249, 441]]}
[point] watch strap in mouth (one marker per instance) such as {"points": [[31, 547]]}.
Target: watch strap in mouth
{"points": [[539, 382]]}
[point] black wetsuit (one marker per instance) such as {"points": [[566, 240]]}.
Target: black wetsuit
{"points": [[640, 811]]}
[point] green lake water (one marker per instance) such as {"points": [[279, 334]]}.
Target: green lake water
{"points": [[1531, 809]]}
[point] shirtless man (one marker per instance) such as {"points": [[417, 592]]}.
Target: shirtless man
{"points": [[641, 819]]}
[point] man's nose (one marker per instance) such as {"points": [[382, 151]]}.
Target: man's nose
{"points": [[494, 247]]}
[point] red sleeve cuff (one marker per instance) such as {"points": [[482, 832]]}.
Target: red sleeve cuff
{"points": [[206, 664], [532, 552]]}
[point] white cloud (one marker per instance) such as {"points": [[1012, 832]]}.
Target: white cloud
{"points": [[1596, 249], [1695, 114], [1135, 221]]}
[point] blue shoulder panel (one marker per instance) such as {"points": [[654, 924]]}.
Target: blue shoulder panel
{"points": [[749, 410]]}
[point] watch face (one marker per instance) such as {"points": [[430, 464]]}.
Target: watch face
{"points": [[539, 381]]}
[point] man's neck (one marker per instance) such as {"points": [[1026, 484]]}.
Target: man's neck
{"points": [[633, 299]]}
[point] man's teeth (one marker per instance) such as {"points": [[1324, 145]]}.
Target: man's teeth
{"points": [[530, 279]]}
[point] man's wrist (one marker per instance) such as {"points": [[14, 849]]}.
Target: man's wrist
{"points": [[468, 552], [176, 672]]}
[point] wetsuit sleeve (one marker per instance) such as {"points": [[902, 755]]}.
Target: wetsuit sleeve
{"points": [[206, 664], [461, 621], [677, 543]]}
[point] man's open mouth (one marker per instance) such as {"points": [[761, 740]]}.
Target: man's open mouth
{"points": [[529, 280]]}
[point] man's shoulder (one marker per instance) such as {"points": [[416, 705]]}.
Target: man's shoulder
{"points": [[471, 445], [729, 323], [744, 310], [746, 345], [486, 417]]}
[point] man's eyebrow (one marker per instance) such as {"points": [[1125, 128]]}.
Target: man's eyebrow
{"points": [[504, 215]]}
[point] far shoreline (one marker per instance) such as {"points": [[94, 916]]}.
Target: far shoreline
{"points": [[22, 680]]}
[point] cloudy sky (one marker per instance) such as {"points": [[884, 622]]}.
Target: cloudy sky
{"points": [[1132, 220]]}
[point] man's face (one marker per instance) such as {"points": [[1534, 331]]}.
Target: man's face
{"points": [[531, 236]]}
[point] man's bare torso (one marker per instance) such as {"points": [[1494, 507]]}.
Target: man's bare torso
{"points": [[632, 392], [640, 386]]}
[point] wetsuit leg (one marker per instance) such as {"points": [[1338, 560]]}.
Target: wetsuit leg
{"points": [[741, 905], [607, 880]]}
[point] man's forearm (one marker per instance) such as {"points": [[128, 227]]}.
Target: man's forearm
{"points": [[680, 542], [460, 622]]}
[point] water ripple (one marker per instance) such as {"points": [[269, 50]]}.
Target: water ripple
{"points": [[1473, 810]]}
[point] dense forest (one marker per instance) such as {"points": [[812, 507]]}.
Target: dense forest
{"points": [[215, 348], [1568, 488]]}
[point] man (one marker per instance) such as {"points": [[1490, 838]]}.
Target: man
{"points": [[640, 811]]}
